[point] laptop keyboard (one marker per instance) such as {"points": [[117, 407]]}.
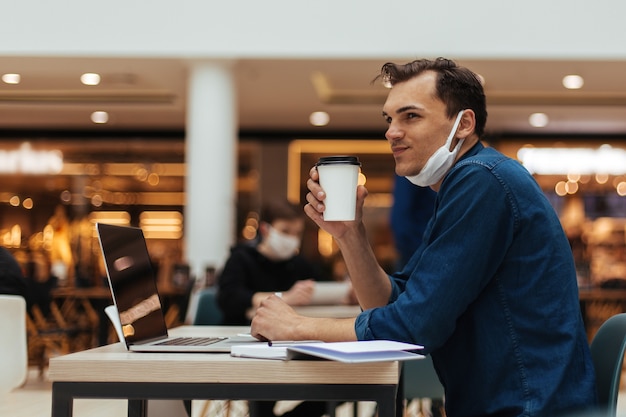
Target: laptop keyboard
{"points": [[190, 341]]}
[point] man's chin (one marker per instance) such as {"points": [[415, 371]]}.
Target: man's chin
{"points": [[404, 173]]}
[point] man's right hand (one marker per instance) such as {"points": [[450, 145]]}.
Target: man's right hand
{"points": [[315, 207]]}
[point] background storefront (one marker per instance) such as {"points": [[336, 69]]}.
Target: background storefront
{"points": [[139, 181]]}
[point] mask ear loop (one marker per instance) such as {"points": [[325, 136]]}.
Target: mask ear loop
{"points": [[455, 126]]}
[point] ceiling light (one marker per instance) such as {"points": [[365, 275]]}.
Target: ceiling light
{"points": [[121, 218], [90, 78], [11, 78], [538, 120], [319, 118], [100, 117], [573, 82], [28, 203]]}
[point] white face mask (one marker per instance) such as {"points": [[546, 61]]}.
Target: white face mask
{"points": [[440, 162], [280, 246]]}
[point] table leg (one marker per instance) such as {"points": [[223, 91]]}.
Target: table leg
{"points": [[400, 395], [387, 402], [62, 401], [137, 408]]}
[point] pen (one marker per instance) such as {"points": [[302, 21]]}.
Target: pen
{"points": [[279, 343]]}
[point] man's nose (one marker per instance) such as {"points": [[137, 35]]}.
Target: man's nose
{"points": [[393, 133]]}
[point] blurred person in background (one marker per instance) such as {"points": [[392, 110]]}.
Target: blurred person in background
{"points": [[253, 272], [273, 265], [11, 278]]}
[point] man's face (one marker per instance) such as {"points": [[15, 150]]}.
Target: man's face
{"points": [[293, 227], [418, 123]]}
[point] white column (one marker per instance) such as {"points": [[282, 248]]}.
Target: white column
{"points": [[211, 155]]}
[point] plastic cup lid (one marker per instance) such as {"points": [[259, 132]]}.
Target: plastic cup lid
{"points": [[339, 159]]}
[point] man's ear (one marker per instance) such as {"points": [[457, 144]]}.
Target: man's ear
{"points": [[264, 228], [467, 125]]}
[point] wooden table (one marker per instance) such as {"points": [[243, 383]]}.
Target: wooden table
{"points": [[113, 372]]}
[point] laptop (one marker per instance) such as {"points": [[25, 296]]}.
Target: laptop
{"points": [[138, 305]]}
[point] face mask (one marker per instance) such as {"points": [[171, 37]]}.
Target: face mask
{"points": [[440, 162], [281, 246]]}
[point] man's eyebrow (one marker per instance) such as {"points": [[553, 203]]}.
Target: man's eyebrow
{"points": [[403, 109], [408, 108]]}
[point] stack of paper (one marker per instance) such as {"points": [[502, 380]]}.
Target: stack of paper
{"points": [[348, 352]]}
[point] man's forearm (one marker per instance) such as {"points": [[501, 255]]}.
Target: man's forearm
{"points": [[327, 329], [370, 282]]}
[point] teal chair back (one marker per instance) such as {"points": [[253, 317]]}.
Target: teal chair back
{"points": [[208, 312], [607, 351]]}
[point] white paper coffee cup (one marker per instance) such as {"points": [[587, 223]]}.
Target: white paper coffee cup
{"points": [[339, 177]]}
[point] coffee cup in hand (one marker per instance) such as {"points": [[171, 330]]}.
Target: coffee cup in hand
{"points": [[339, 176]]}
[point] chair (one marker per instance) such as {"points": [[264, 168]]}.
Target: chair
{"points": [[207, 311], [419, 380], [45, 339], [607, 352], [13, 347]]}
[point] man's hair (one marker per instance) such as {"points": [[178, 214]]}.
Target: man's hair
{"points": [[456, 86], [280, 210]]}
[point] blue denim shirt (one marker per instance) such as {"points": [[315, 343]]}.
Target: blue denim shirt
{"points": [[492, 295]]}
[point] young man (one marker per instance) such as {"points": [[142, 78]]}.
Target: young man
{"points": [[491, 293]]}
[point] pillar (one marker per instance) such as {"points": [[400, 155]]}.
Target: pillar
{"points": [[211, 156]]}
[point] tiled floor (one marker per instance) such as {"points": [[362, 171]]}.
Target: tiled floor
{"points": [[34, 399]]}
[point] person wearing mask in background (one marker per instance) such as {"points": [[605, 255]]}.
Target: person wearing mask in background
{"points": [[254, 272], [491, 293], [11, 278]]}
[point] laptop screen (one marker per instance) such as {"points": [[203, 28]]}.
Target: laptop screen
{"points": [[133, 282]]}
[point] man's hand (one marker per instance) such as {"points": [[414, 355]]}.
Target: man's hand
{"points": [[300, 293], [315, 207], [275, 320]]}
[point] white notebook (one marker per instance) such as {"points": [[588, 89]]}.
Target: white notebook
{"points": [[347, 352]]}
